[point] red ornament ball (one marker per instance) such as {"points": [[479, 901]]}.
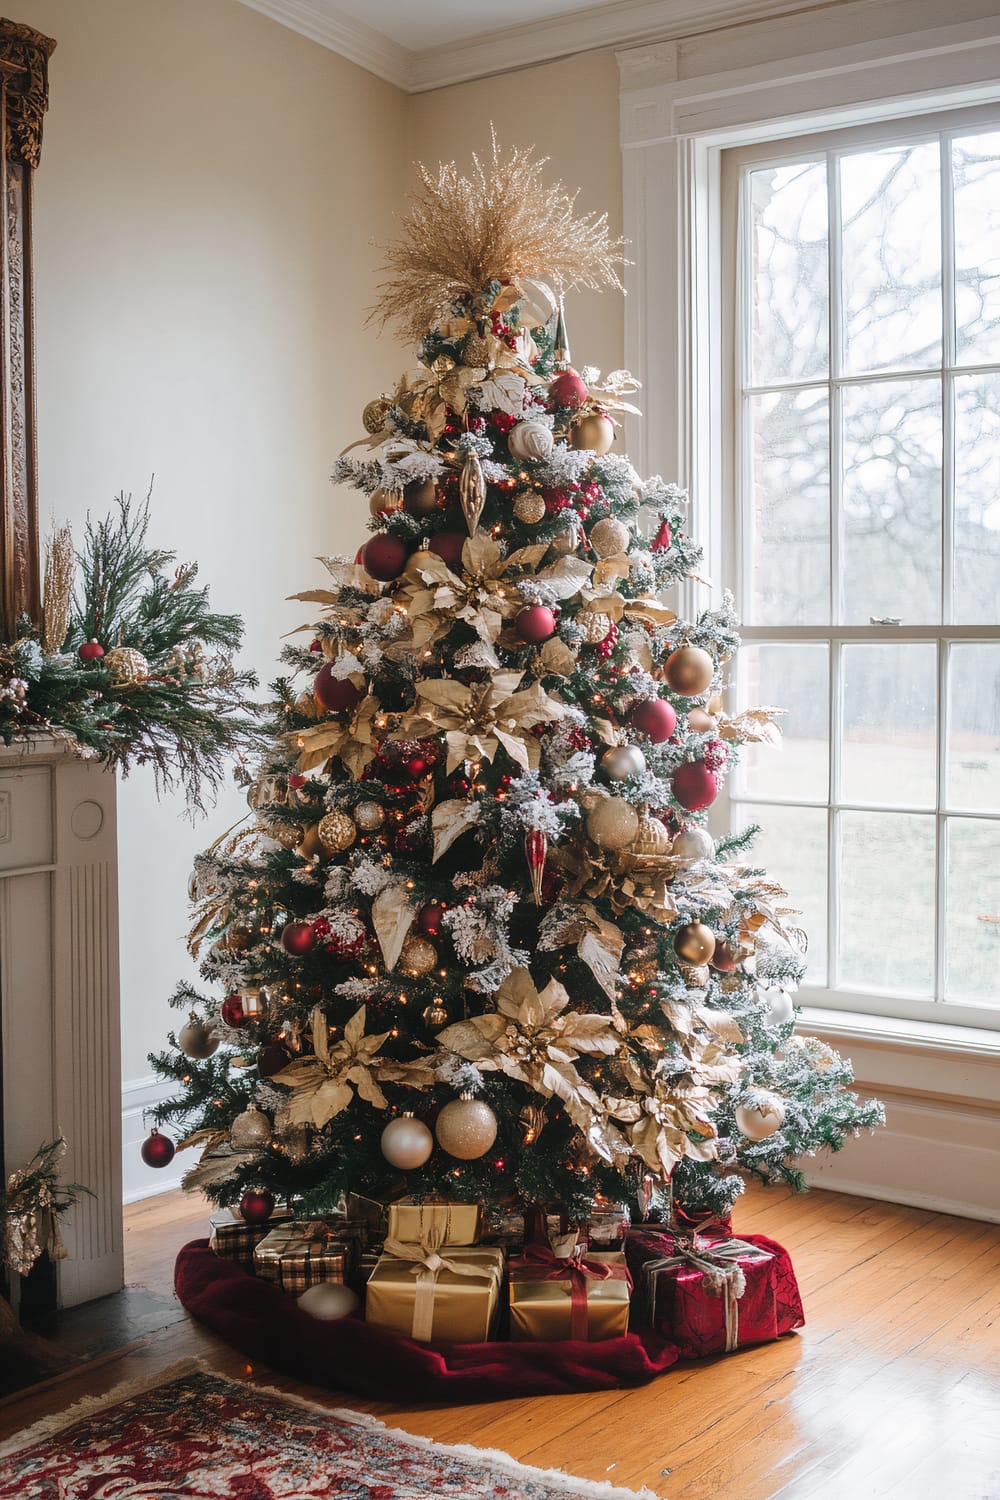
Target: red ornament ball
{"points": [[298, 938], [91, 651], [336, 694], [157, 1150], [384, 557], [232, 1011], [296, 781], [694, 785], [447, 545], [654, 717], [322, 929], [567, 389], [536, 624], [663, 538], [724, 959], [316, 646], [272, 1058], [257, 1205], [429, 918]]}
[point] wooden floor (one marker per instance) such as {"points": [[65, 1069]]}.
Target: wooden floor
{"points": [[891, 1390]]}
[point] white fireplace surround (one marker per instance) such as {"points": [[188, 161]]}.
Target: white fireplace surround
{"points": [[59, 992]]}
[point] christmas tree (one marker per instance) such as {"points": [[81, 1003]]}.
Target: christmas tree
{"points": [[474, 938]]}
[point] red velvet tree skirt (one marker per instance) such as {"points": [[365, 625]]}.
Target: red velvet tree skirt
{"points": [[265, 1323]]}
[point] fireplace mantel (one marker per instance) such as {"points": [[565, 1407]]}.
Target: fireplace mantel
{"points": [[59, 991]]}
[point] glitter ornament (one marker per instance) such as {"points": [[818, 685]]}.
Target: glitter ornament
{"points": [[328, 1301], [406, 1143], [623, 761], [466, 1128], [336, 694], [694, 786], [337, 831], [652, 838], [530, 440], [529, 507], [609, 537], [369, 816], [653, 717], [157, 1150], [761, 1116], [692, 844], [595, 432], [596, 627], [418, 956], [257, 1205], [250, 1130], [435, 1014], [694, 943], [195, 1038], [612, 823], [126, 667], [689, 671], [288, 835], [374, 415]]}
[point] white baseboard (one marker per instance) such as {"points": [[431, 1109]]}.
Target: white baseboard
{"points": [[138, 1180]]}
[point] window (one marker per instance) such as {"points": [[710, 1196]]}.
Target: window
{"points": [[864, 323]]}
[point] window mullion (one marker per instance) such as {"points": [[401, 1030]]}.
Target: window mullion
{"points": [[949, 340], [836, 335], [941, 822]]}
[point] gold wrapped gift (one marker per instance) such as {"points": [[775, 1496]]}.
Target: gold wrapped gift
{"points": [[460, 1223], [451, 1296], [568, 1297]]}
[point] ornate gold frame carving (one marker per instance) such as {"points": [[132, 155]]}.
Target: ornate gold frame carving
{"points": [[24, 98]]}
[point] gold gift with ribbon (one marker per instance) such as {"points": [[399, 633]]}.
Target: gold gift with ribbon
{"points": [[426, 1295], [460, 1223], [563, 1293]]}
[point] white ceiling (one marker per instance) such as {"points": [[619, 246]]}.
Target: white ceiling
{"points": [[427, 44], [419, 24]]}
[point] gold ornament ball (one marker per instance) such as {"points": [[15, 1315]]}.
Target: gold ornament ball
{"points": [[623, 761], [196, 1040], [594, 431], [761, 1116], [374, 415], [369, 816], [420, 498], [695, 943], [311, 845], [595, 626], [612, 823], [466, 1128], [337, 831], [693, 843], [385, 500], [250, 1129], [701, 722], [529, 507], [435, 1014], [418, 956], [476, 351], [610, 537], [689, 671], [328, 1300], [652, 837], [288, 835], [126, 667], [406, 1143]]}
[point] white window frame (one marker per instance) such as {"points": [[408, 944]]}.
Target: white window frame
{"points": [[674, 130]]}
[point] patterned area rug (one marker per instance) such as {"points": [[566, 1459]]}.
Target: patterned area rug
{"points": [[197, 1436]]}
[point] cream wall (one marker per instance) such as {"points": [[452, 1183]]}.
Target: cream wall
{"points": [[569, 111], [208, 186]]}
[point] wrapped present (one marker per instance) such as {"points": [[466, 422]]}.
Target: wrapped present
{"points": [[436, 1291], [459, 1223], [710, 1293], [298, 1254], [504, 1225], [559, 1291], [606, 1227], [232, 1238]]}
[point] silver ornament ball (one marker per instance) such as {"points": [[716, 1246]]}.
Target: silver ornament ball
{"points": [[623, 761], [777, 1007], [693, 843], [250, 1129], [762, 1116], [406, 1143]]}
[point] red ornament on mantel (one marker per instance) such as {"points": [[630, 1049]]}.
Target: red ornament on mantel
{"points": [[694, 785], [257, 1205], [157, 1150], [336, 694], [298, 938], [91, 651]]}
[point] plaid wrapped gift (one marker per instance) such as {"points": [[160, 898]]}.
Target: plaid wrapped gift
{"points": [[232, 1238], [299, 1254]]}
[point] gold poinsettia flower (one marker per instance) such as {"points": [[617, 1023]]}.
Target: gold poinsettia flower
{"points": [[534, 1038], [481, 595], [663, 1109], [326, 1083], [478, 719], [353, 743], [430, 397]]}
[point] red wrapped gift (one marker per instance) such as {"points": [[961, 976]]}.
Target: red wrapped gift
{"points": [[710, 1293]]}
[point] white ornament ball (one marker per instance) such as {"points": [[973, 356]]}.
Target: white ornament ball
{"points": [[777, 1007], [612, 823], [623, 761], [466, 1128], [406, 1143], [530, 440], [693, 843], [328, 1300], [196, 1039], [609, 537], [762, 1117]]}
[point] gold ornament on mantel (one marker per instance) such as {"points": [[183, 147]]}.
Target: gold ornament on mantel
{"points": [[337, 831], [126, 667]]}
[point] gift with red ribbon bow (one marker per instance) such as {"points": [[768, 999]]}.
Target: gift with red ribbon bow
{"points": [[558, 1291]]}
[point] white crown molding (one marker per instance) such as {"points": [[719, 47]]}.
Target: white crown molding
{"points": [[619, 23], [361, 44]]}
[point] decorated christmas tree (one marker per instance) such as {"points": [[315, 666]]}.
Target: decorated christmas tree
{"points": [[474, 938]]}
